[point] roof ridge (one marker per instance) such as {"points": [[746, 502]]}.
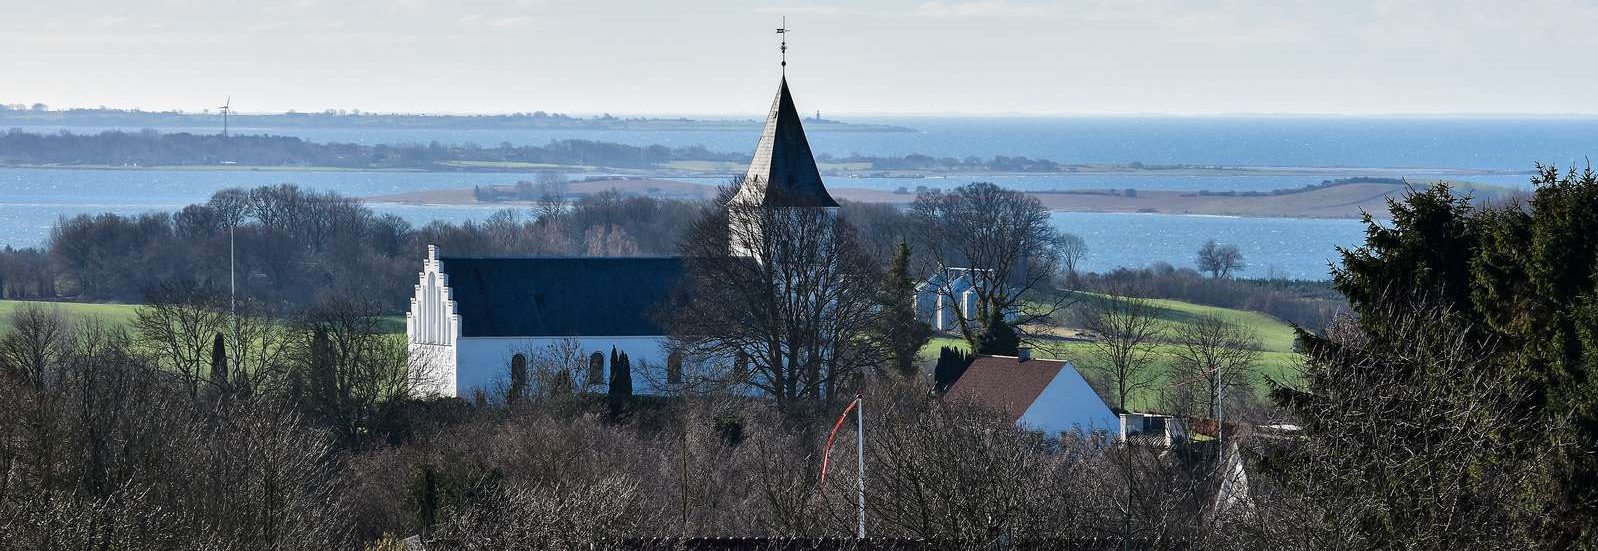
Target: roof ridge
{"points": [[573, 257]]}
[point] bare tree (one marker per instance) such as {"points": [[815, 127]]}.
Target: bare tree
{"points": [[36, 341], [1126, 330], [1006, 239], [797, 301], [1072, 248], [1220, 260], [260, 348], [1216, 358], [354, 368], [177, 325]]}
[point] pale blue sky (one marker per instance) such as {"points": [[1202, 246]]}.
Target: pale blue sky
{"points": [[719, 56]]}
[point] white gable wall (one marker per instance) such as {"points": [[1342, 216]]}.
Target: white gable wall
{"points": [[1069, 404], [432, 327]]}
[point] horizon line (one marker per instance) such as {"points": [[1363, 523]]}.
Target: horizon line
{"points": [[738, 116]]}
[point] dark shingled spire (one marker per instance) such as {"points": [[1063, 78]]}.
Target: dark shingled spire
{"points": [[783, 172]]}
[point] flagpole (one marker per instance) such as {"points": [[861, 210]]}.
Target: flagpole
{"points": [[860, 459]]}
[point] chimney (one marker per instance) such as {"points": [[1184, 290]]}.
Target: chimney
{"points": [[1023, 353]]}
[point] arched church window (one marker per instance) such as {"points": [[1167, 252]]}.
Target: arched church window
{"points": [[596, 368], [740, 367], [674, 368]]}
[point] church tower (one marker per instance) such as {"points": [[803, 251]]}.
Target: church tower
{"points": [[783, 175], [783, 172]]}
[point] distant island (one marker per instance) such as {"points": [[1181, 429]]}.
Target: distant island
{"points": [[1343, 198], [37, 115], [150, 149]]}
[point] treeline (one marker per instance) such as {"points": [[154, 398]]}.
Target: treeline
{"points": [[916, 161], [295, 246], [1309, 304], [151, 148], [1307, 187], [39, 114]]}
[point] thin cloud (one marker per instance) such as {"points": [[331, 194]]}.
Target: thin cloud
{"points": [[806, 10], [498, 22], [984, 8]]}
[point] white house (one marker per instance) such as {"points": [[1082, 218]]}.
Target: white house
{"points": [[1164, 430], [1049, 396], [471, 317], [946, 297]]}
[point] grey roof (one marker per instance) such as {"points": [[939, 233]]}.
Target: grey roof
{"points": [[783, 172], [561, 297]]}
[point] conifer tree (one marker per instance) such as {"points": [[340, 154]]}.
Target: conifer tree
{"points": [[999, 339], [952, 363], [621, 376], [323, 375], [897, 325], [518, 379], [621, 380], [219, 371]]}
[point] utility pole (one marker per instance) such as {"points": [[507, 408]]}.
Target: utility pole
{"points": [[860, 459], [232, 277]]}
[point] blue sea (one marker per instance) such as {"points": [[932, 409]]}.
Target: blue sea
{"points": [[1265, 153], [1481, 143]]}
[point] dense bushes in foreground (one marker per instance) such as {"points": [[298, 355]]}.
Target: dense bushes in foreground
{"points": [[104, 447]]}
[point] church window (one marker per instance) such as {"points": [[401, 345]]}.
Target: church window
{"points": [[674, 368], [740, 367], [596, 368]]}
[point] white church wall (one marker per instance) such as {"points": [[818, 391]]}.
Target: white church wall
{"points": [[432, 327], [438, 364], [1069, 404], [483, 363]]}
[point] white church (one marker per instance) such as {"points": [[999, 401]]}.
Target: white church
{"points": [[471, 317]]}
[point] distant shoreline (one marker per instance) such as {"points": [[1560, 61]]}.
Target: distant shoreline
{"points": [[1340, 201]]}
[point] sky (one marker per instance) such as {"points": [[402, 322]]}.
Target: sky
{"points": [[698, 57]]}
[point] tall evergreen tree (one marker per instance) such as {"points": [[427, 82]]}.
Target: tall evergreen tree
{"points": [[621, 375], [999, 339], [621, 381], [219, 368], [1518, 284], [427, 502], [897, 324], [323, 373], [518, 380], [952, 363]]}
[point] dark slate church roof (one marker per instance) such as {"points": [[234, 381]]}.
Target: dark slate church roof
{"points": [[561, 297], [783, 172]]}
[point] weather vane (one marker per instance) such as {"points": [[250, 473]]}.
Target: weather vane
{"points": [[783, 30]]}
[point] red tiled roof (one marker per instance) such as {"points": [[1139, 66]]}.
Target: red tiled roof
{"points": [[1004, 383]]}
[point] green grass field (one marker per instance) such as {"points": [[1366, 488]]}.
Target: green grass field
{"points": [[1277, 360], [122, 314], [117, 314]]}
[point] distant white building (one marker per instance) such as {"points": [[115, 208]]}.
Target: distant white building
{"points": [[946, 297], [1049, 396]]}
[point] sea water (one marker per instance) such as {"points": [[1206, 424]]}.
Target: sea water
{"points": [[1479, 143], [1496, 150]]}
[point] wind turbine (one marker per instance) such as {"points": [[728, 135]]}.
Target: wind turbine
{"points": [[225, 108]]}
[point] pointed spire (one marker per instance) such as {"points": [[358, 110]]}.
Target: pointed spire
{"points": [[783, 172]]}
